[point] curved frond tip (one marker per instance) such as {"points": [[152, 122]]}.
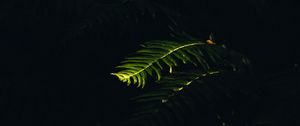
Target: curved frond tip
{"points": [[155, 56]]}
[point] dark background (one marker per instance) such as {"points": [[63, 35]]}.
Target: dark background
{"points": [[56, 56]]}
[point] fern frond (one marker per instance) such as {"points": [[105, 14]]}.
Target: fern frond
{"points": [[180, 95], [158, 54]]}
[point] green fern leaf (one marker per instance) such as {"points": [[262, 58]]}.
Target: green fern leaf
{"points": [[177, 96], [157, 54]]}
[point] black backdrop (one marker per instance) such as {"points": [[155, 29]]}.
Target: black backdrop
{"points": [[56, 56]]}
